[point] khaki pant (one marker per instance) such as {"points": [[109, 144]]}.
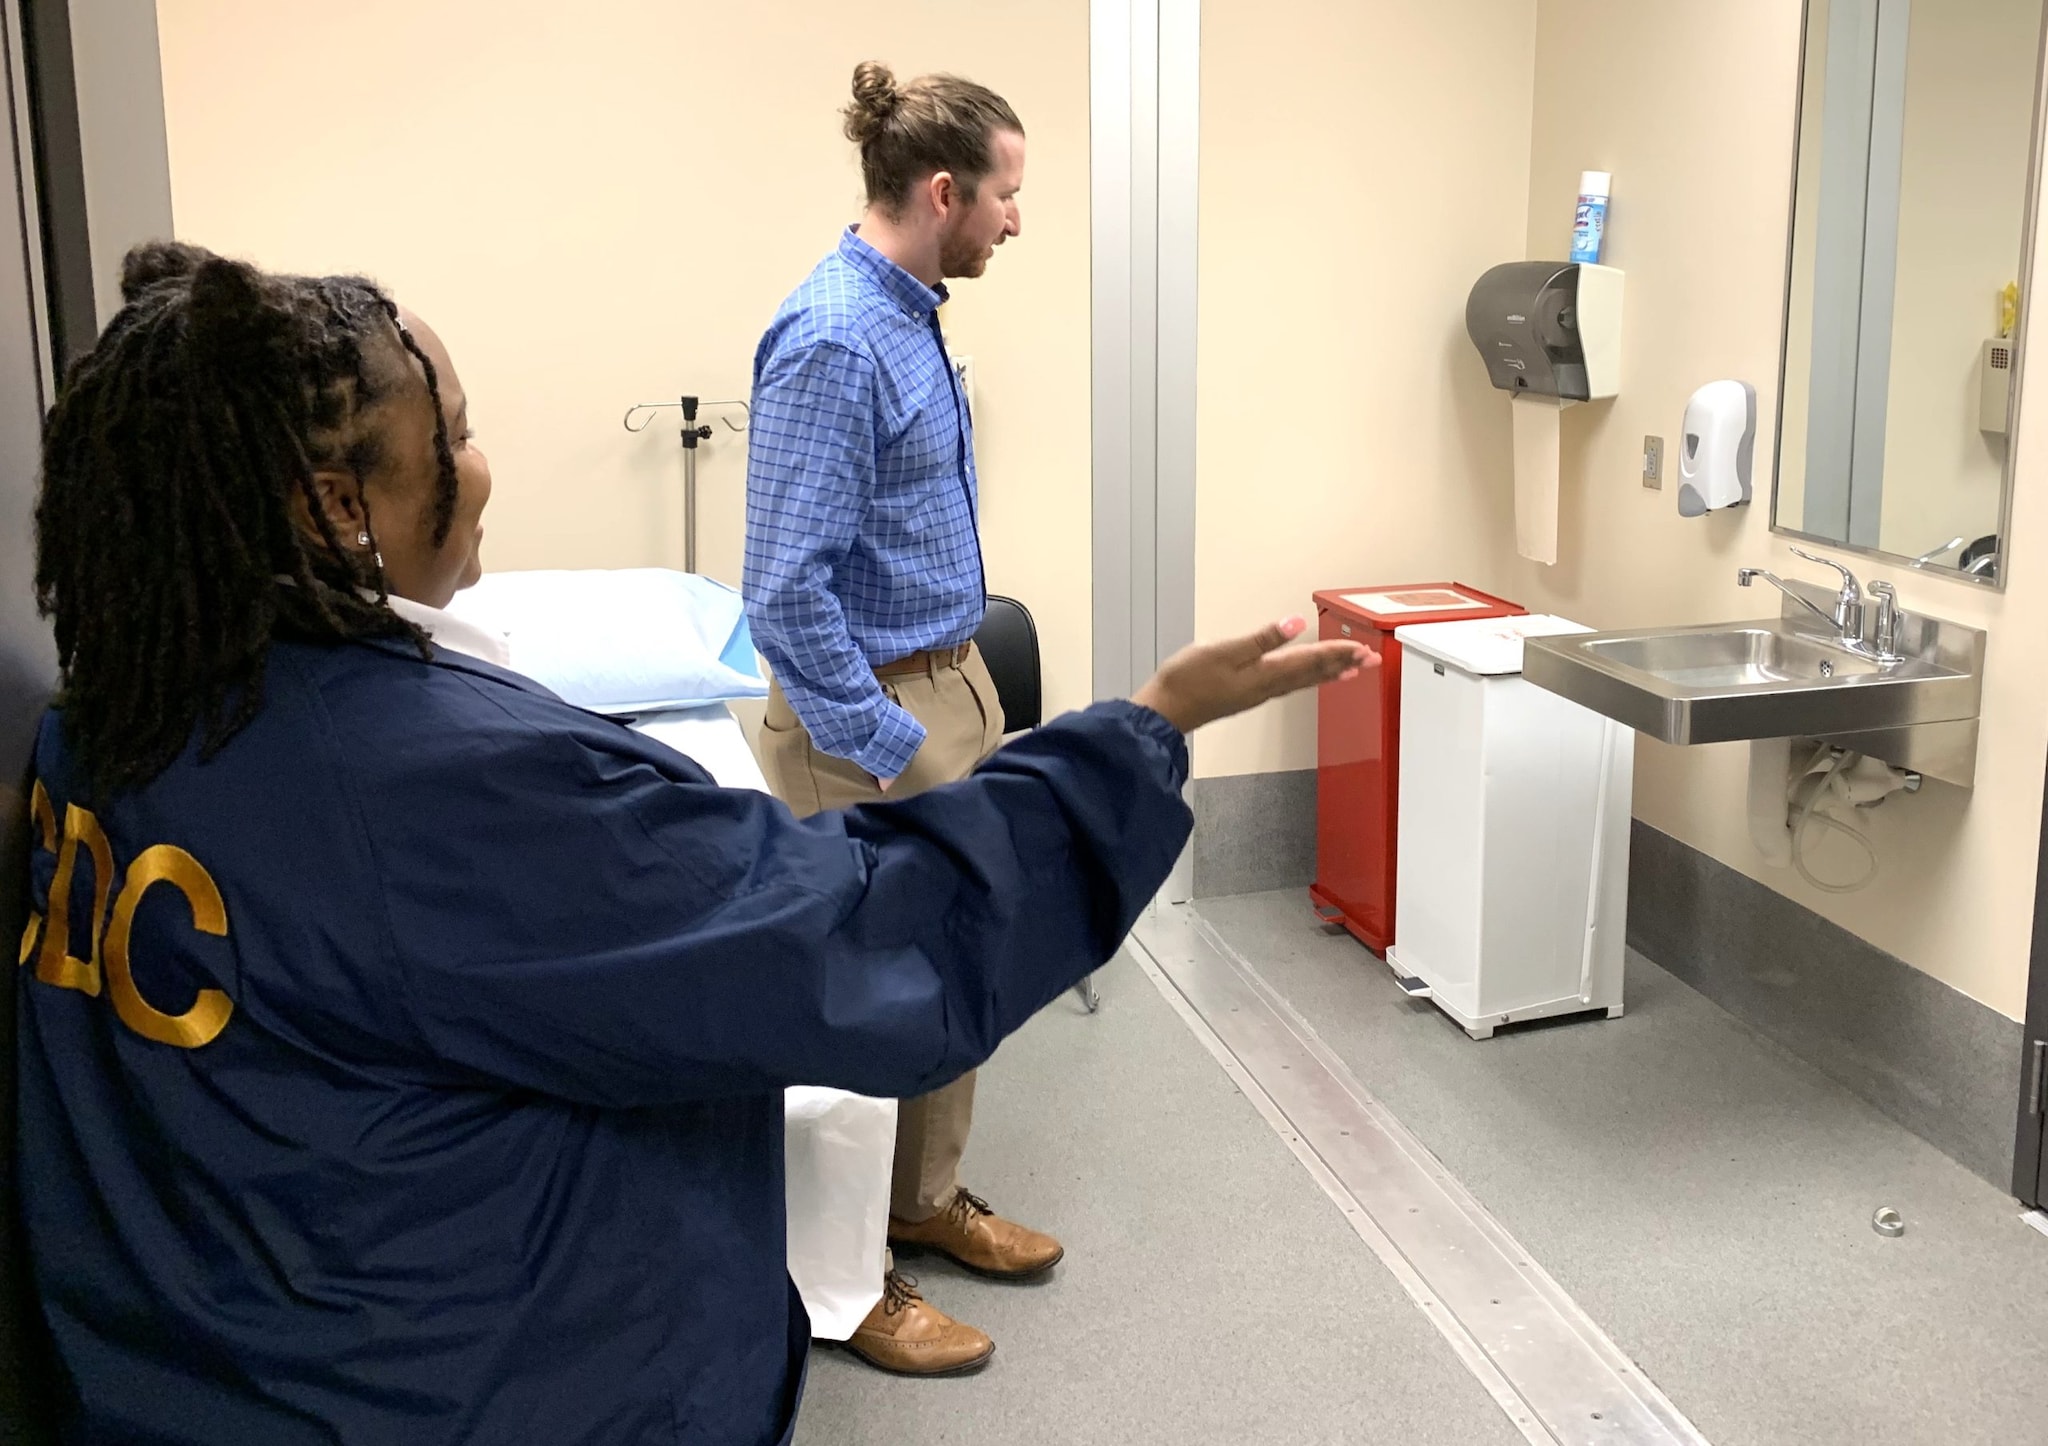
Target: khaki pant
{"points": [[963, 725]]}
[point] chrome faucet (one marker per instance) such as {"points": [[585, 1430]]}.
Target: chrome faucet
{"points": [[1746, 575], [1847, 618], [1884, 638]]}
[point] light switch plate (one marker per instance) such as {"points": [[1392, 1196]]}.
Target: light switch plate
{"points": [[963, 367], [1653, 463]]}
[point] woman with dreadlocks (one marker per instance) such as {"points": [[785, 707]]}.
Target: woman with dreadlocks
{"points": [[402, 1049]]}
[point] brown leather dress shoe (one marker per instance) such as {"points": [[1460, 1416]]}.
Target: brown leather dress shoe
{"points": [[978, 1238], [906, 1337]]}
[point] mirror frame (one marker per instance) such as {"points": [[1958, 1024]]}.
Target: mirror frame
{"points": [[2024, 328]]}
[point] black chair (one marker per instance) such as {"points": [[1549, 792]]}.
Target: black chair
{"points": [[1009, 645], [1980, 556]]}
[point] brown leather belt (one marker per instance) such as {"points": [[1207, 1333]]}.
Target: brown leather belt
{"points": [[926, 660]]}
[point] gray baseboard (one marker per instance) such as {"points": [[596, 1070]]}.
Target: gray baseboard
{"points": [[1935, 1060], [1254, 832]]}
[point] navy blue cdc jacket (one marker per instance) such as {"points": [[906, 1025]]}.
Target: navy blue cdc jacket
{"points": [[412, 1071]]}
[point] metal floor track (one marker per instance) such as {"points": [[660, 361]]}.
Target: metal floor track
{"points": [[1555, 1374]]}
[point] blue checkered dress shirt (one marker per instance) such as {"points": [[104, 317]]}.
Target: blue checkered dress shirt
{"points": [[861, 501]]}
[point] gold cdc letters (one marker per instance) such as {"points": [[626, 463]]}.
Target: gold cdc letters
{"points": [[110, 963]]}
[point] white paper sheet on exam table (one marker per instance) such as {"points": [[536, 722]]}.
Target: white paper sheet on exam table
{"points": [[839, 1147], [712, 738]]}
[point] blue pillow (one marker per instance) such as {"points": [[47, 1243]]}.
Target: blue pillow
{"points": [[624, 640]]}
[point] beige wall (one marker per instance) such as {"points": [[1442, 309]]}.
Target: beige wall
{"points": [[603, 204], [1348, 435], [1702, 154], [1362, 163]]}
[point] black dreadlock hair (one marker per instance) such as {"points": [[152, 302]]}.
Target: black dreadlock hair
{"points": [[169, 550]]}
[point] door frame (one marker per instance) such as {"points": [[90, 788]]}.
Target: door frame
{"points": [[2030, 1143], [28, 1369], [1145, 162]]}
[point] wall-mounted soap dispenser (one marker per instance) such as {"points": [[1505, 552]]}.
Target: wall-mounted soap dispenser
{"points": [[1717, 448], [1549, 328]]}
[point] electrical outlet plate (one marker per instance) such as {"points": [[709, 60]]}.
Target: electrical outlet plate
{"points": [[1653, 463]]}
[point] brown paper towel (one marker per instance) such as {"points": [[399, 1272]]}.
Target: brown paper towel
{"points": [[1536, 476]]}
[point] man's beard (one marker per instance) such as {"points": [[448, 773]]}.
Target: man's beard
{"points": [[961, 259]]}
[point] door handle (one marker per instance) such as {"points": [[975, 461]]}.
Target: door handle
{"points": [[2034, 1088]]}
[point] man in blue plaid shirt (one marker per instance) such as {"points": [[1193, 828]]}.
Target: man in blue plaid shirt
{"points": [[864, 583]]}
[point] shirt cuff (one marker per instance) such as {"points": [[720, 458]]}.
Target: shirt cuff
{"points": [[888, 754], [1171, 741]]}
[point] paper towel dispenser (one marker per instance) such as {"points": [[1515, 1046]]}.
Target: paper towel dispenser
{"points": [[1549, 328]]}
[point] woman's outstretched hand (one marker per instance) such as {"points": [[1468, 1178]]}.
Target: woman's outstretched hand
{"points": [[1209, 681]]}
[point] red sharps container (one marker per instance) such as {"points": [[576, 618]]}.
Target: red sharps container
{"points": [[1358, 748]]}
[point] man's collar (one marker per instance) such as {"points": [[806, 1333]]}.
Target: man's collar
{"points": [[910, 293]]}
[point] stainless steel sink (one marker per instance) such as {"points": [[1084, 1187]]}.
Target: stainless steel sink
{"points": [[1780, 678], [1734, 657]]}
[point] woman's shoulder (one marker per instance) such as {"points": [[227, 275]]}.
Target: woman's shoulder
{"points": [[389, 690], [390, 710]]}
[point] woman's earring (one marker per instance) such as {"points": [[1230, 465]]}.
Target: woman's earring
{"points": [[362, 539]]}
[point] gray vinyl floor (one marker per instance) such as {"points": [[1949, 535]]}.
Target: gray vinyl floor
{"points": [[1211, 1292], [1704, 1196]]}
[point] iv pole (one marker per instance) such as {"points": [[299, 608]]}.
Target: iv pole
{"points": [[693, 433]]}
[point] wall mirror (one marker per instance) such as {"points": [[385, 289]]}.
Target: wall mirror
{"points": [[1912, 218]]}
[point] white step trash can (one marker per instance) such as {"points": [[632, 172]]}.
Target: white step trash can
{"points": [[1513, 832]]}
